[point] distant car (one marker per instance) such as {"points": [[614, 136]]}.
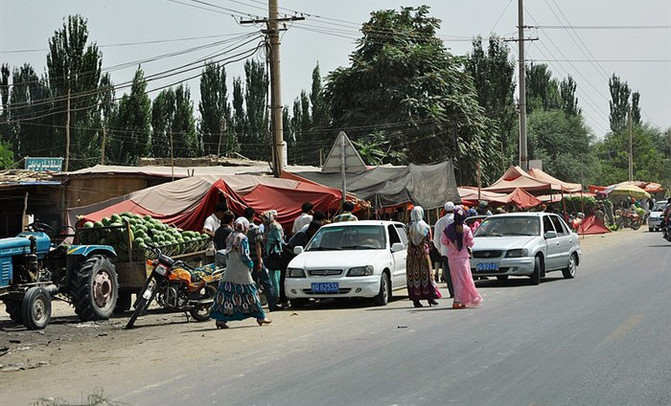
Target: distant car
{"points": [[363, 259], [655, 217], [525, 244]]}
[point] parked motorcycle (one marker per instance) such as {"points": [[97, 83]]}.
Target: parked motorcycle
{"points": [[626, 218], [177, 286]]}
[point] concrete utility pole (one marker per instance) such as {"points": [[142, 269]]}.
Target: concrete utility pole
{"points": [[524, 159], [631, 148], [273, 34], [102, 149], [343, 169]]}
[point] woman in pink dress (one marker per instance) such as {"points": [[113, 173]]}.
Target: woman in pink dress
{"points": [[459, 240]]}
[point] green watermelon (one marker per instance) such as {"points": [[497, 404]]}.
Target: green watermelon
{"points": [[88, 224]]}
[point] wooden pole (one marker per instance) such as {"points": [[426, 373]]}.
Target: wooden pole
{"points": [[172, 157], [67, 134], [102, 154], [479, 181], [343, 172], [25, 209]]}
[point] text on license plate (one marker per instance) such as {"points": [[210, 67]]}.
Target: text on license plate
{"points": [[487, 266], [325, 287]]}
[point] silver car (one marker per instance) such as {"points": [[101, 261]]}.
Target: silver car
{"points": [[525, 244], [655, 217]]}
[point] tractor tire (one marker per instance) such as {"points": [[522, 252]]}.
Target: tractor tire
{"points": [[13, 308], [95, 289], [36, 308]]}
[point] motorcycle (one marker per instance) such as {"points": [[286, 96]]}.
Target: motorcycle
{"points": [[626, 218], [177, 286]]}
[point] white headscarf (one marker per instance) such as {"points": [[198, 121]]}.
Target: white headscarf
{"points": [[234, 239], [418, 228]]}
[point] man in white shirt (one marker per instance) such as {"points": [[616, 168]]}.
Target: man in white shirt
{"points": [[304, 219], [213, 222], [438, 229]]}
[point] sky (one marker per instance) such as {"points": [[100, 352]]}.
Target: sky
{"points": [[589, 40]]}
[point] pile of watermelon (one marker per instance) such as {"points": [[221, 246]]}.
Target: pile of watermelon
{"points": [[144, 231]]}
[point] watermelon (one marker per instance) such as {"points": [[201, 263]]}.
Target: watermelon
{"points": [[98, 224], [88, 224]]}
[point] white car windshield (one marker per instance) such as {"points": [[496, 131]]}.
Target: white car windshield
{"points": [[497, 226], [659, 206], [348, 237]]}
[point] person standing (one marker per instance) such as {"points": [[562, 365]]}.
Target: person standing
{"points": [[304, 219], [213, 222], [459, 240], [237, 297], [255, 239], [420, 283], [346, 215], [438, 229], [224, 230], [274, 243]]}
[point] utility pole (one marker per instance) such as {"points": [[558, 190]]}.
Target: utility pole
{"points": [[631, 149], [67, 134], [222, 128], [172, 157], [102, 155], [343, 169], [273, 34], [524, 159]]}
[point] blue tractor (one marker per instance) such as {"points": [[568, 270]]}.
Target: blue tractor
{"points": [[33, 270]]}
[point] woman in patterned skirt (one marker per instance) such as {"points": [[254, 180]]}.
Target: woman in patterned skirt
{"points": [[421, 284], [237, 297]]}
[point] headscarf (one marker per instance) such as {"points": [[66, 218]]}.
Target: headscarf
{"points": [[418, 228], [268, 216], [451, 230], [239, 234]]}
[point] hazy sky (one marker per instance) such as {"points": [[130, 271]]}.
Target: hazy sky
{"points": [[194, 30]]}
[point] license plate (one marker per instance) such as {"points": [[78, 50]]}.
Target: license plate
{"points": [[325, 287], [487, 266]]}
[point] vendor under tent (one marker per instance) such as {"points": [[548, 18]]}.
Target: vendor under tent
{"points": [[187, 202]]}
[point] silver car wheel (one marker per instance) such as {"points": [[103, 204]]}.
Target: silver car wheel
{"points": [[569, 272]]}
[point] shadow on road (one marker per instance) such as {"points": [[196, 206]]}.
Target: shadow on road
{"points": [[521, 281]]}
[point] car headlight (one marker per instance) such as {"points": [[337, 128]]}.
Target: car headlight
{"points": [[361, 271], [295, 273], [517, 253]]}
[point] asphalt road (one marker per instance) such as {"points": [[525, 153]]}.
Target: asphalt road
{"points": [[602, 338]]}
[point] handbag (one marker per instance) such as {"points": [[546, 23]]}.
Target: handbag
{"points": [[274, 261]]}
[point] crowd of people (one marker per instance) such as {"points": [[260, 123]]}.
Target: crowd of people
{"points": [[255, 250]]}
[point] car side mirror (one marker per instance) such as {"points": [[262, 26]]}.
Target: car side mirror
{"points": [[298, 250], [397, 246], [550, 234]]}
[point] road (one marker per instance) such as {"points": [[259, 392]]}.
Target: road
{"points": [[599, 339]]}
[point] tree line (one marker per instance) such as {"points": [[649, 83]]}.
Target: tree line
{"points": [[404, 98]]}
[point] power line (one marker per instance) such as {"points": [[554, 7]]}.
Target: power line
{"points": [[607, 27]]}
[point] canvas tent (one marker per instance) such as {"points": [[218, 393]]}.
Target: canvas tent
{"points": [[522, 199], [187, 202], [535, 181], [592, 225], [556, 184], [517, 197], [429, 186]]}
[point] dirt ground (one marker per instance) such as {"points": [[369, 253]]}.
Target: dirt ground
{"points": [[68, 346]]}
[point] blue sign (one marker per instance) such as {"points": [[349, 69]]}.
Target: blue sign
{"points": [[44, 164]]}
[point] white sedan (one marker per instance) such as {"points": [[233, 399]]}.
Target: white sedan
{"points": [[363, 259]]}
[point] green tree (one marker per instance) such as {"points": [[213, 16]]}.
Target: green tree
{"points": [[239, 118], [564, 143], [256, 140], [542, 89], [402, 80], [493, 75], [129, 137], [215, 110], [568, 99], [74, 73], [162, 116], [619, 103], [28, 109], [185, 138], [6, 156]]}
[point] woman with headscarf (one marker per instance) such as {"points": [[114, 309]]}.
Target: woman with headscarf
{"points": [[421, 285], [237, 297], [274, 243], [459, 240]]}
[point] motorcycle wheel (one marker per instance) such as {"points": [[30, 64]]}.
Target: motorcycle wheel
{"points": [[202, 313], [636, 224], [141, 304]]}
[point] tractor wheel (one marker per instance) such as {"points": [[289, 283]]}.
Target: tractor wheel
{"points": [[36, 308], [95, 289], [13, 308]]}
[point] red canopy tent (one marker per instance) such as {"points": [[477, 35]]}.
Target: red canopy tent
{"points": [[187, 202], [592, 225], [515, 177], [556, 184], [522, 199], [469, 196]]}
